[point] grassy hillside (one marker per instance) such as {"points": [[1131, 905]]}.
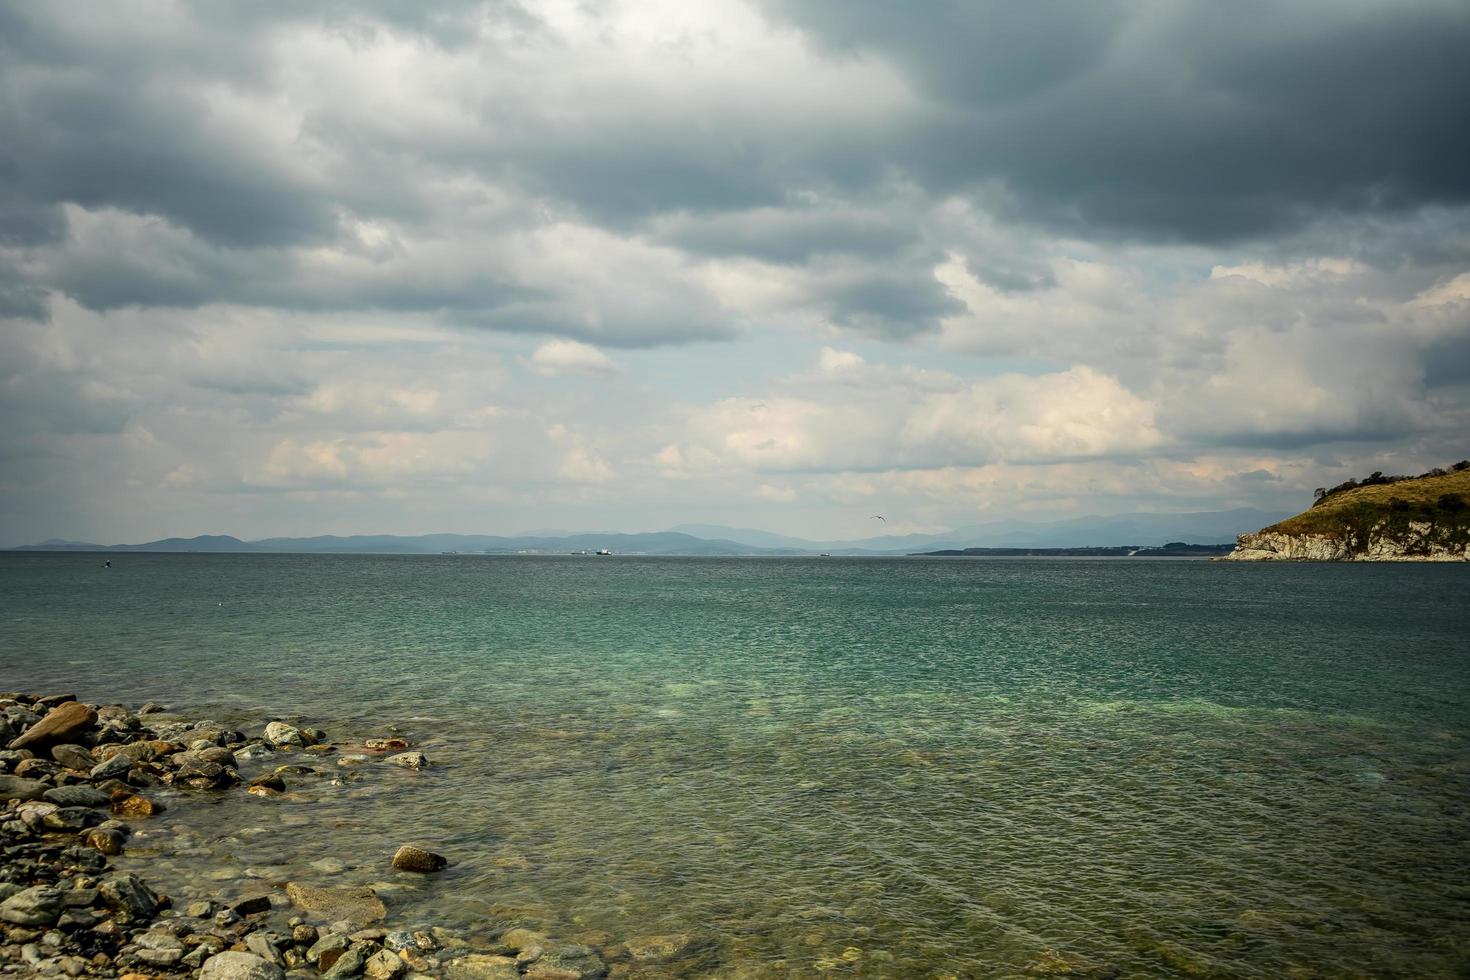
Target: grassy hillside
{"points": [[1442, 501]]}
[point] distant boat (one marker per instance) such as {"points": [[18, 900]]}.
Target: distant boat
{"points": [[825, 554], [602, 551]]}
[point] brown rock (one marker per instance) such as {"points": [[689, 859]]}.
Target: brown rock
{"points": [[61, 724], [410, 858], [126, 804]]}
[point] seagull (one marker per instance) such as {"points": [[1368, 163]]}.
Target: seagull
{"points": [[879, 517]]}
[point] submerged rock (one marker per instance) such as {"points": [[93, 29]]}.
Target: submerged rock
{"points": [[410, 858], [358, 905], [410, 760], [386, 744], [239, 966], [479, 966]]}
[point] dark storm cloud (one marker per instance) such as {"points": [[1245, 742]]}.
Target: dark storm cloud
{"points": [[1198, 122], [891, 305]]}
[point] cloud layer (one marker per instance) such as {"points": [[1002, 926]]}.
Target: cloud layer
{"points": [[270, 269]]}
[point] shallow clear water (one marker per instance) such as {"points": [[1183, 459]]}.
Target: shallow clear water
{"points": [[834, 767]]}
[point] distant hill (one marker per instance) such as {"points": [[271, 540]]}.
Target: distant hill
{"points": [[1423, 518], [1127, 531]]}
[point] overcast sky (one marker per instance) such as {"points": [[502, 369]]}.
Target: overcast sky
{"points": [[283, 268]]}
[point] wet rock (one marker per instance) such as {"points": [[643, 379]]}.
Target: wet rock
{"points": [[202, 774], [359, 905], [278, 733], [479, 966], [349, 964], [304, 934], [202, 909], [127, 804], [53, 700], [77, 757], [109, 842], [18, 788], [269, 781], [253, 905], [88, 796], [127, 895], [410, 760], [239, 966], [410, 858], [38, 906], [324, 951], [151, 708], [217, 754], [354, 760], [384, 965], [72, 818], [61, 724]]}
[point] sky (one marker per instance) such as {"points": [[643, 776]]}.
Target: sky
{"points": [[398, 267]]}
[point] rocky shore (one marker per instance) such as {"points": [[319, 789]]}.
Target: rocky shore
{"points": [[78, 780]]}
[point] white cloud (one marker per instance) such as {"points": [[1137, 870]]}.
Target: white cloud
{"points": [[559, 357]]}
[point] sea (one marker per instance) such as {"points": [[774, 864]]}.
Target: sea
{"points": [[833, 767]]}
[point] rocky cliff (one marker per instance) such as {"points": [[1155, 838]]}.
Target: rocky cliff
{"points": [[1385, 545], [1420, 519]]}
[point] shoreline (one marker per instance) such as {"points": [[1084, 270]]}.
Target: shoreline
{"points": [[78, 781]]}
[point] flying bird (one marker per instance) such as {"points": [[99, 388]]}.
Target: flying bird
{"points": [[880, 517]]}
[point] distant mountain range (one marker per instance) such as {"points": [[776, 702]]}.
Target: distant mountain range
{"points": [[1136, 530]]}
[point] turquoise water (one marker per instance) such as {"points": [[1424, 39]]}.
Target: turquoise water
{"points": [[832, 767]]}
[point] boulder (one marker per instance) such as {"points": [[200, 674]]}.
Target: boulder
{"points": [[410, 858], [239, 966], [38, 906], [410, 760], [357, 905], [61, 724]]}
